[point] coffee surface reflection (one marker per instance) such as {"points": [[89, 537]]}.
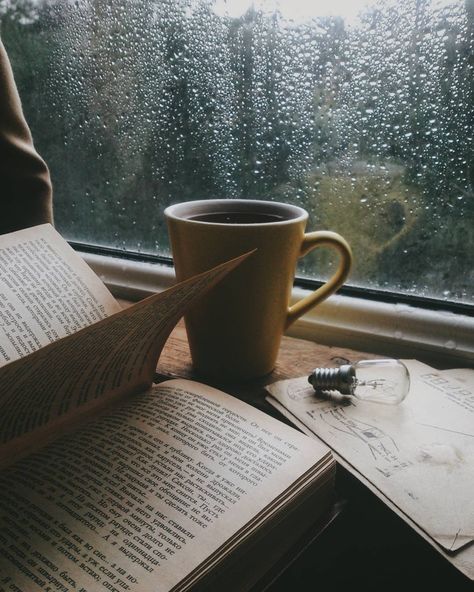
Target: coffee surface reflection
{"points": [[237, 218]]}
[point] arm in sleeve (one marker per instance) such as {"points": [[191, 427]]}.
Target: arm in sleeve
{"points": [[25, 184]]}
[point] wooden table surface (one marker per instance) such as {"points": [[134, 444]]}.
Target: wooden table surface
{"points": [[297, 357]]}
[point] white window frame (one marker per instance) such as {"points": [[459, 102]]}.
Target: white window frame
{"points": [[440, 338]]}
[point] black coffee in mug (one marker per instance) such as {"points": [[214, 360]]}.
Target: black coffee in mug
{"points": [[237, 218]]}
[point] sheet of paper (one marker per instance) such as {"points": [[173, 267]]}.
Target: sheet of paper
{"points": [[461, 374], [411, 453]]}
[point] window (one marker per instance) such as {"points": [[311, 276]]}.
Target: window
{"points": [[361, 112]]}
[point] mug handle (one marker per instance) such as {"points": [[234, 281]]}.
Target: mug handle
{"points": [[313, 240]]}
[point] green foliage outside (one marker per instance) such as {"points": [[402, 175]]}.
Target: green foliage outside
{"points": [[136, 105]]}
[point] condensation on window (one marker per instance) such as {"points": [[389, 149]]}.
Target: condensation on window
{"points": [[360, 112]]}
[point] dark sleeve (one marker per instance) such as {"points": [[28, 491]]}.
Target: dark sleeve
{"points": [[25, 184]]}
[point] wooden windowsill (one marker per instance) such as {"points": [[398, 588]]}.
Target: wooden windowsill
{"points": [[297, 357]]}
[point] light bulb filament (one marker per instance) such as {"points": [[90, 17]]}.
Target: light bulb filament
{"points": [[374, 384]]}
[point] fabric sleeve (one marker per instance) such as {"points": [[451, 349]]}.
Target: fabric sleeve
{"points": [[25, 184]]}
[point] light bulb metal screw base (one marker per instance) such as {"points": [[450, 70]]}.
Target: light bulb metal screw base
{"points": [[342, 379]]}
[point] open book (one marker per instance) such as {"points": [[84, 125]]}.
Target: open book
{"points": [[110, 483]]}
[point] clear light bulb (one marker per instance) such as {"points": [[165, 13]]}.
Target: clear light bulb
{"points": [[379, 381]]}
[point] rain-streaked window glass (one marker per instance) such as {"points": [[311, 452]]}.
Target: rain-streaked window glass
{"points": [[361, 112]]}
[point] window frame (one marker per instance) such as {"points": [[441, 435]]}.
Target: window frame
{"points": [[358, 293], [436, 332]]}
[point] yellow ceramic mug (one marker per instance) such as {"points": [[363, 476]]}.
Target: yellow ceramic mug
{"points": [[234, 332]]}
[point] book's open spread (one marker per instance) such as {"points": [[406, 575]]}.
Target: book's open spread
{"points": [[160, 489]]}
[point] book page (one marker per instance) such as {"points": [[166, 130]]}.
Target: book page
{"points": [[46, 292], [140, 497], [84, 371]]}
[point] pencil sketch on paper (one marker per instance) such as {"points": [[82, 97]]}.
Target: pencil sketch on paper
{"points": [[381, 445], [409, 452]]}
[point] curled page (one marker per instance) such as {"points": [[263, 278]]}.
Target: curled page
{"points": [[75, 375]]}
